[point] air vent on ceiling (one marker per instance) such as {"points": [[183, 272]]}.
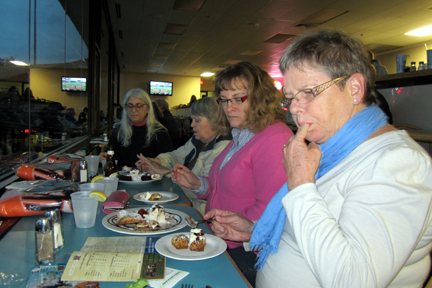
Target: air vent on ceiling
{"points": [[321, 17], [251, 52], [120, 32], [188, 5], [279, 38], [160, 57], [167, 46], [175, 29], [381, 48], [118, 11]]}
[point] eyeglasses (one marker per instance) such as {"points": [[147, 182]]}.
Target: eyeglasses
{"points": [[137, 106], [307, 95], [234, 101]]}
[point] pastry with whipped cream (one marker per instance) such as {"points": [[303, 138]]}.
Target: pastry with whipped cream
{"points": [[128, 217], [134, 175], [148, 225], [148, 196], [157, 212], [197, 240]]}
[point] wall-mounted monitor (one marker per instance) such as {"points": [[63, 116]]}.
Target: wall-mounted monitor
{"points": [[161, 88], [73, 84]]}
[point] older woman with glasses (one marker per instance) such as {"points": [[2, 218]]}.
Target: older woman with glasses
{"points": [[139, 132], [211, 136], [356, 209], [249, 171]]}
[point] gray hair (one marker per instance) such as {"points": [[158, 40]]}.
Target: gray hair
{"points": [[70, 112], [125, 132], [208, 108], [162, 103], [334, 53]]}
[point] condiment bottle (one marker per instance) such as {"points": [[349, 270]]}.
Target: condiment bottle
{"points": [[57, 228], [413, 66], [44, 239], [421, 66], [110, 165], [83, 171], [105, 137]]}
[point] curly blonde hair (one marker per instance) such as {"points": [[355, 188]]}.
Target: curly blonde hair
{"points": [[264, 101]]}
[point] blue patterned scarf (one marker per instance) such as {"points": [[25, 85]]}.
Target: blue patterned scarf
{"points": [[267, 231]]}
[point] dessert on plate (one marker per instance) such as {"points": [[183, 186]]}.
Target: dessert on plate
{"points": [[133, 174], [180, 241], [148, 196], [195, 242], [142, 220]]}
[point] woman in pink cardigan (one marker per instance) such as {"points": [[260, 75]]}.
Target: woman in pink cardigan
{"points": [[249, 171]]}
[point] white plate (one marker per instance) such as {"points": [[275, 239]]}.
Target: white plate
{"points": [[166, 197], [137, 182], [178, 222], [134, 182], [214, 247]]}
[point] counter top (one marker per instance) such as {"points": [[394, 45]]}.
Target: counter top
{"points": [[18, 246]]}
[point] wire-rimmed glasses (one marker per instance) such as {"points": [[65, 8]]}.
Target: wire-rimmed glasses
{"points": [[307, 95]]}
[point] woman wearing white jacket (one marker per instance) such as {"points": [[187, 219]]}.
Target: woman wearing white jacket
{"points": [[211, 135]]}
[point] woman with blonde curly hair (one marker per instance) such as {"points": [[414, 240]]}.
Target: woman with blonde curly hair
{"points": [[246, 175], [139, 132]]}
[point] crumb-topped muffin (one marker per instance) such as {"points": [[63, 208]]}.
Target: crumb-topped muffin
{"points": [[180, 241]]}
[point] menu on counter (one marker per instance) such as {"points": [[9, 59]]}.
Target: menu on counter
{"points": [[50, 276], [116, 259]]}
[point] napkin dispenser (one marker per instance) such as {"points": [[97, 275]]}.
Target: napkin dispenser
{"points": [[117, 200]]}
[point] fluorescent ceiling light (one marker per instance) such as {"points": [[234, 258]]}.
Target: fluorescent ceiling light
{"points": [[19, 63], [207, 74], [421, 31]]}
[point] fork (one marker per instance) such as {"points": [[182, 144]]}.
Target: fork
{"points": [[166, 173], [187, 286]]}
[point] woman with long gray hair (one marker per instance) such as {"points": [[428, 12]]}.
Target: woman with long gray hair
{"points": [[139, 132]]}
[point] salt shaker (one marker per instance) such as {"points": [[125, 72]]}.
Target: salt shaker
{"points": [[44, 239], [83, 171], [57, 228]]}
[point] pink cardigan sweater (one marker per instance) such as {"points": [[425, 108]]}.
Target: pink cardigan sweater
{"points": [[251, 177]]}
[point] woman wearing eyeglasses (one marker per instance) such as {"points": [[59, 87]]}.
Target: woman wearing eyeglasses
{"points": [[356, 210], [139, 132], [249, 171]]}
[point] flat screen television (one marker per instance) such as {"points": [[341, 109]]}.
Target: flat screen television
{"points": [[73, 84], [161, 88]]}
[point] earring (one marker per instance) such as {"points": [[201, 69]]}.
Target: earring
{"points": [[355, 100]]}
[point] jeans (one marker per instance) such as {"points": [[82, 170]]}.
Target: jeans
{"points": [[246, 262]]}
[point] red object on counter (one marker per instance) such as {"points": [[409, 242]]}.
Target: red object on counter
{"points": [[65, 171], [15, 203]]}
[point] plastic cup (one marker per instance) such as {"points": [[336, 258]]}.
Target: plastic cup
{"points": [[92, 164], [111, 184], [400, 63], [84, 209], [93, 187]]}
